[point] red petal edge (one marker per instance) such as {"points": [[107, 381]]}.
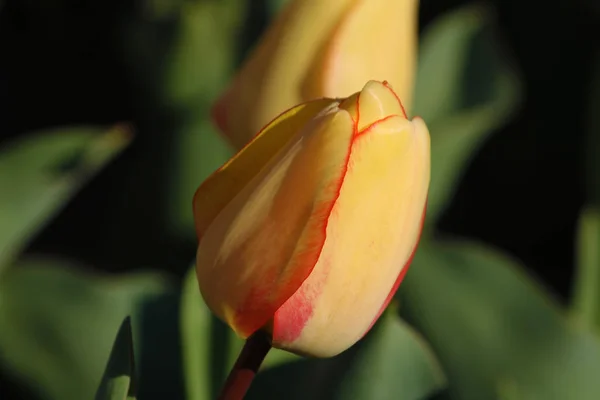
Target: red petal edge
{"points": [[387, 85], [255, 313]]}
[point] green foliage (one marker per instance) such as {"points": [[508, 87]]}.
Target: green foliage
{"points": [[196, 322], [43, 171], [493, 329], [64, 319], [118, 382], [587, 285]]}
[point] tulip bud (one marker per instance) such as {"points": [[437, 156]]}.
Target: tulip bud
{"points": [[317, 49], [307, 231]]}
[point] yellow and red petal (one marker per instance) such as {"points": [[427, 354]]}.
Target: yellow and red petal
{"points": [[373, 230], [260, 246], [226, 182]]}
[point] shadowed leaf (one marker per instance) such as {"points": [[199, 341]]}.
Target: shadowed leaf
{"points": [[118, 382], [493, 329], [43, 171]]}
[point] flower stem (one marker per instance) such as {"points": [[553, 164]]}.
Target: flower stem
{"points": [[243, 372]]}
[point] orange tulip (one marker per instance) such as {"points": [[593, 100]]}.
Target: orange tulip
{"points": [[316, 49], [309, 229]]}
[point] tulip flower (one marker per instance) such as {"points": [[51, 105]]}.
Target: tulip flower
{"points": [[306, 233], [317, 49]]}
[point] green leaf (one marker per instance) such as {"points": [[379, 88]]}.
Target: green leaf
{"points": [[43, 171], [494, 330], [586, 302], [58, 326], [392, 362], [465, 89], [118, 382], [196, 323], [203, 51]]}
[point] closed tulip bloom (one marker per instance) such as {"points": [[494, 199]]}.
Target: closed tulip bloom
{"points": [[317, 49], [307, 232]]}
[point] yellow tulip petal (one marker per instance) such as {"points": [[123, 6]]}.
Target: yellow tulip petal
{"points": [[402, 274], [225, 183], [263, 244], [371, 235], [375, 40], [271, 78], [375, 102]]}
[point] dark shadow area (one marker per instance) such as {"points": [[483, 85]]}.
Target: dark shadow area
{"points": [[528, 174], [220, 353], [160, 364], [12, 389], [255, 23], [307, 378]]}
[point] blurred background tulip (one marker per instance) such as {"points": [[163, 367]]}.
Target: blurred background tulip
{"points": [[106, 132], [342, 49]]}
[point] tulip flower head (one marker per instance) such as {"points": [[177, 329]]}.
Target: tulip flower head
{"points": [[307, 231], [316, 49]]}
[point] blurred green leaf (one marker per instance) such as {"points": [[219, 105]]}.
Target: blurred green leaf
{"points": [[118, 382], [43, 171], [508, 389], [586, 302], [465, 89], [494, 330], [203, 52], [392, 362], [195, 322], [65, 320]]}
